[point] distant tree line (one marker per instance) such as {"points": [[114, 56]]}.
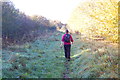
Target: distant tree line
{"points": [[16, 26]]}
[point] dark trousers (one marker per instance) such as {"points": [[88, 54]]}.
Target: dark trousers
{"points": [[67, 51]]}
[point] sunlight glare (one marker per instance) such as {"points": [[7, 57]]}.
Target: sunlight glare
{"points": [[51, 9]]}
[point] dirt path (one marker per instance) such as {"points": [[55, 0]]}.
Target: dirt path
{"points": [[67, 69]]}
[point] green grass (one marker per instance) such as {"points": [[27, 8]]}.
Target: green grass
{"points": [[41, 59], [45, 59], [88, 63]]}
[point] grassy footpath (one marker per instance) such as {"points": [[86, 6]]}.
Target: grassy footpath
{"points": [[40, 59], [45, 59]]}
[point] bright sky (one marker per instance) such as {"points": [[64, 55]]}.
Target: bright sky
{"points": [[51, 9]]}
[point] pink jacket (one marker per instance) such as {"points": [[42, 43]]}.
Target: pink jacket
{"points": [[65, 43]]}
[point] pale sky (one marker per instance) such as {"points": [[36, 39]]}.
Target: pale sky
{"points": [[51, 9]]}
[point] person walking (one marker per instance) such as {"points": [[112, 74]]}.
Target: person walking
{"points": [[67, 40]]}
